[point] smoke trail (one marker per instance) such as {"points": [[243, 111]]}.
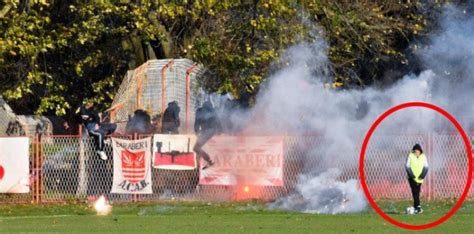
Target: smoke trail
{"points": [[296, 102]]}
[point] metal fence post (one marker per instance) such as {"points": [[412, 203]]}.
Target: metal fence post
{"points": [[188, 95], [40, 167], [163, 85], [430, 152], [135, 196], [138, 78], [83, 177], [34, 170], [37, 168]]}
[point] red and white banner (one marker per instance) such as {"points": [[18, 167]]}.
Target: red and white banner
{"points": [[244, 160], [174, 152], [14, 165], [132, 166]]}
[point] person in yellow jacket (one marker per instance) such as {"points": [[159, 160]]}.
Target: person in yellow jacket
{"points": [[417, 169]]}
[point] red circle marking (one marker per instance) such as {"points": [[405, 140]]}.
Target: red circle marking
{"points": [[469, 158], [2, 172]]}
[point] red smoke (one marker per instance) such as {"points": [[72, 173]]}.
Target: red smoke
{"points": [[244, 192]]}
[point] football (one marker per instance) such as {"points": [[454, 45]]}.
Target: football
{"points": [[410, 210]]}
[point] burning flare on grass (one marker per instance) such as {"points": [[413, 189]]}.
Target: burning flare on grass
{"points": [[102, 206], [246, 189]]}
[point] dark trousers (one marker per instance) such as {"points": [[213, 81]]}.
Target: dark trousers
{"points": [[202, 138], [415, 191], [169, 128], [99, 134]]}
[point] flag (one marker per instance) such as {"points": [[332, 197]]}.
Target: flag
{"points": [[248, 160], [14, 165], [132, 166], [174, 152]]}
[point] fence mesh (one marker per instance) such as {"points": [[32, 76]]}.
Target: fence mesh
{"points": [[67, 168], [385, 165], [449, 166], [7, 117], [144, 87]]}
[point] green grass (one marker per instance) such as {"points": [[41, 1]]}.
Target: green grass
{"points": [[187, 217]]}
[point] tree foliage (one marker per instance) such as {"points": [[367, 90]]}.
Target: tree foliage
{"points": [[54, 54], [367, 37]]}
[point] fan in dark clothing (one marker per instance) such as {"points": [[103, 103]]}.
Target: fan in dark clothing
{"points": [[171, 123], [206, 125], [91, 120]]}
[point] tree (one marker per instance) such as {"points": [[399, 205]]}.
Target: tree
{"points": [[55, 54], [368, 38]]}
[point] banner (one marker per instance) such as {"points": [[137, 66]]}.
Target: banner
{"points": [[174, 152], [244, 160], [14, 164], [132, 166]]}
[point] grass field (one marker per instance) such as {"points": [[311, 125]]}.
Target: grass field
{"points": [[186, 217]]}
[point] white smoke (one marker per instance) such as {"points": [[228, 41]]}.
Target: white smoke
{"points": [[296, 101], [323, 194]]}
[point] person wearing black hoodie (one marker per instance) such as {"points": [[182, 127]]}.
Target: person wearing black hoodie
{"points": [[92, 122], [140, 123], [171, 123], [206, 125]]}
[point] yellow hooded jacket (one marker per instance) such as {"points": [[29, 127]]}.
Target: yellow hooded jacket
{"points": [[417, 167]]}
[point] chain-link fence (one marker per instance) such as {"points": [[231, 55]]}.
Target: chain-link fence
{"points": [[385, 165], [67, 168], [7, 118], [448, 166], [156, 83]]}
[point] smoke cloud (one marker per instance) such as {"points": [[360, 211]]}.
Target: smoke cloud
{"points": [[296, 101], [323, 194]]}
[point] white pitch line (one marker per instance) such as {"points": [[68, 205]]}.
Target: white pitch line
{"points": [[32, 217]]}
